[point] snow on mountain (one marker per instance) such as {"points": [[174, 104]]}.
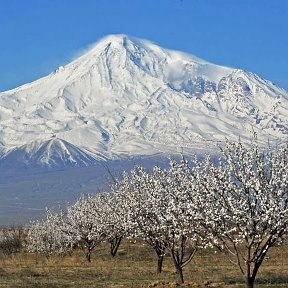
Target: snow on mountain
{"points": [[54, 152], [127, 96]]}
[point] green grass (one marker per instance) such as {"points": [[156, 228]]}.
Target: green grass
{"points": [[134, 266]]}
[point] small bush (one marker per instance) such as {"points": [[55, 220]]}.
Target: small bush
{"points": [[10, 241]]}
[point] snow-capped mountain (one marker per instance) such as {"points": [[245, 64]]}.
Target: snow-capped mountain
{"points": [[126, 96]]}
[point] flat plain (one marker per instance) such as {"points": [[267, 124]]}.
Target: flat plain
{"points": [[135, 266]]}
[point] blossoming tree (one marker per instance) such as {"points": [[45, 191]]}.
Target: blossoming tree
{"points": [[244, 203]]}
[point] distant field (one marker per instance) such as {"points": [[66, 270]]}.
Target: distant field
{"points": [[26, 193], [134, 266]]}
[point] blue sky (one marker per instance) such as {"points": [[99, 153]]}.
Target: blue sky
{"points": [[37, 36]]}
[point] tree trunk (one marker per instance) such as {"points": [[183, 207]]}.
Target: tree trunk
{"points": [[160, 263], [180, 277], [89, 251], [178, 267], [250, 282], [88, 255], [115, 243], [160, 257]]}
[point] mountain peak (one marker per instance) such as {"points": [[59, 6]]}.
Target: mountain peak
{"points": [[136, 48], [114, 40]]}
